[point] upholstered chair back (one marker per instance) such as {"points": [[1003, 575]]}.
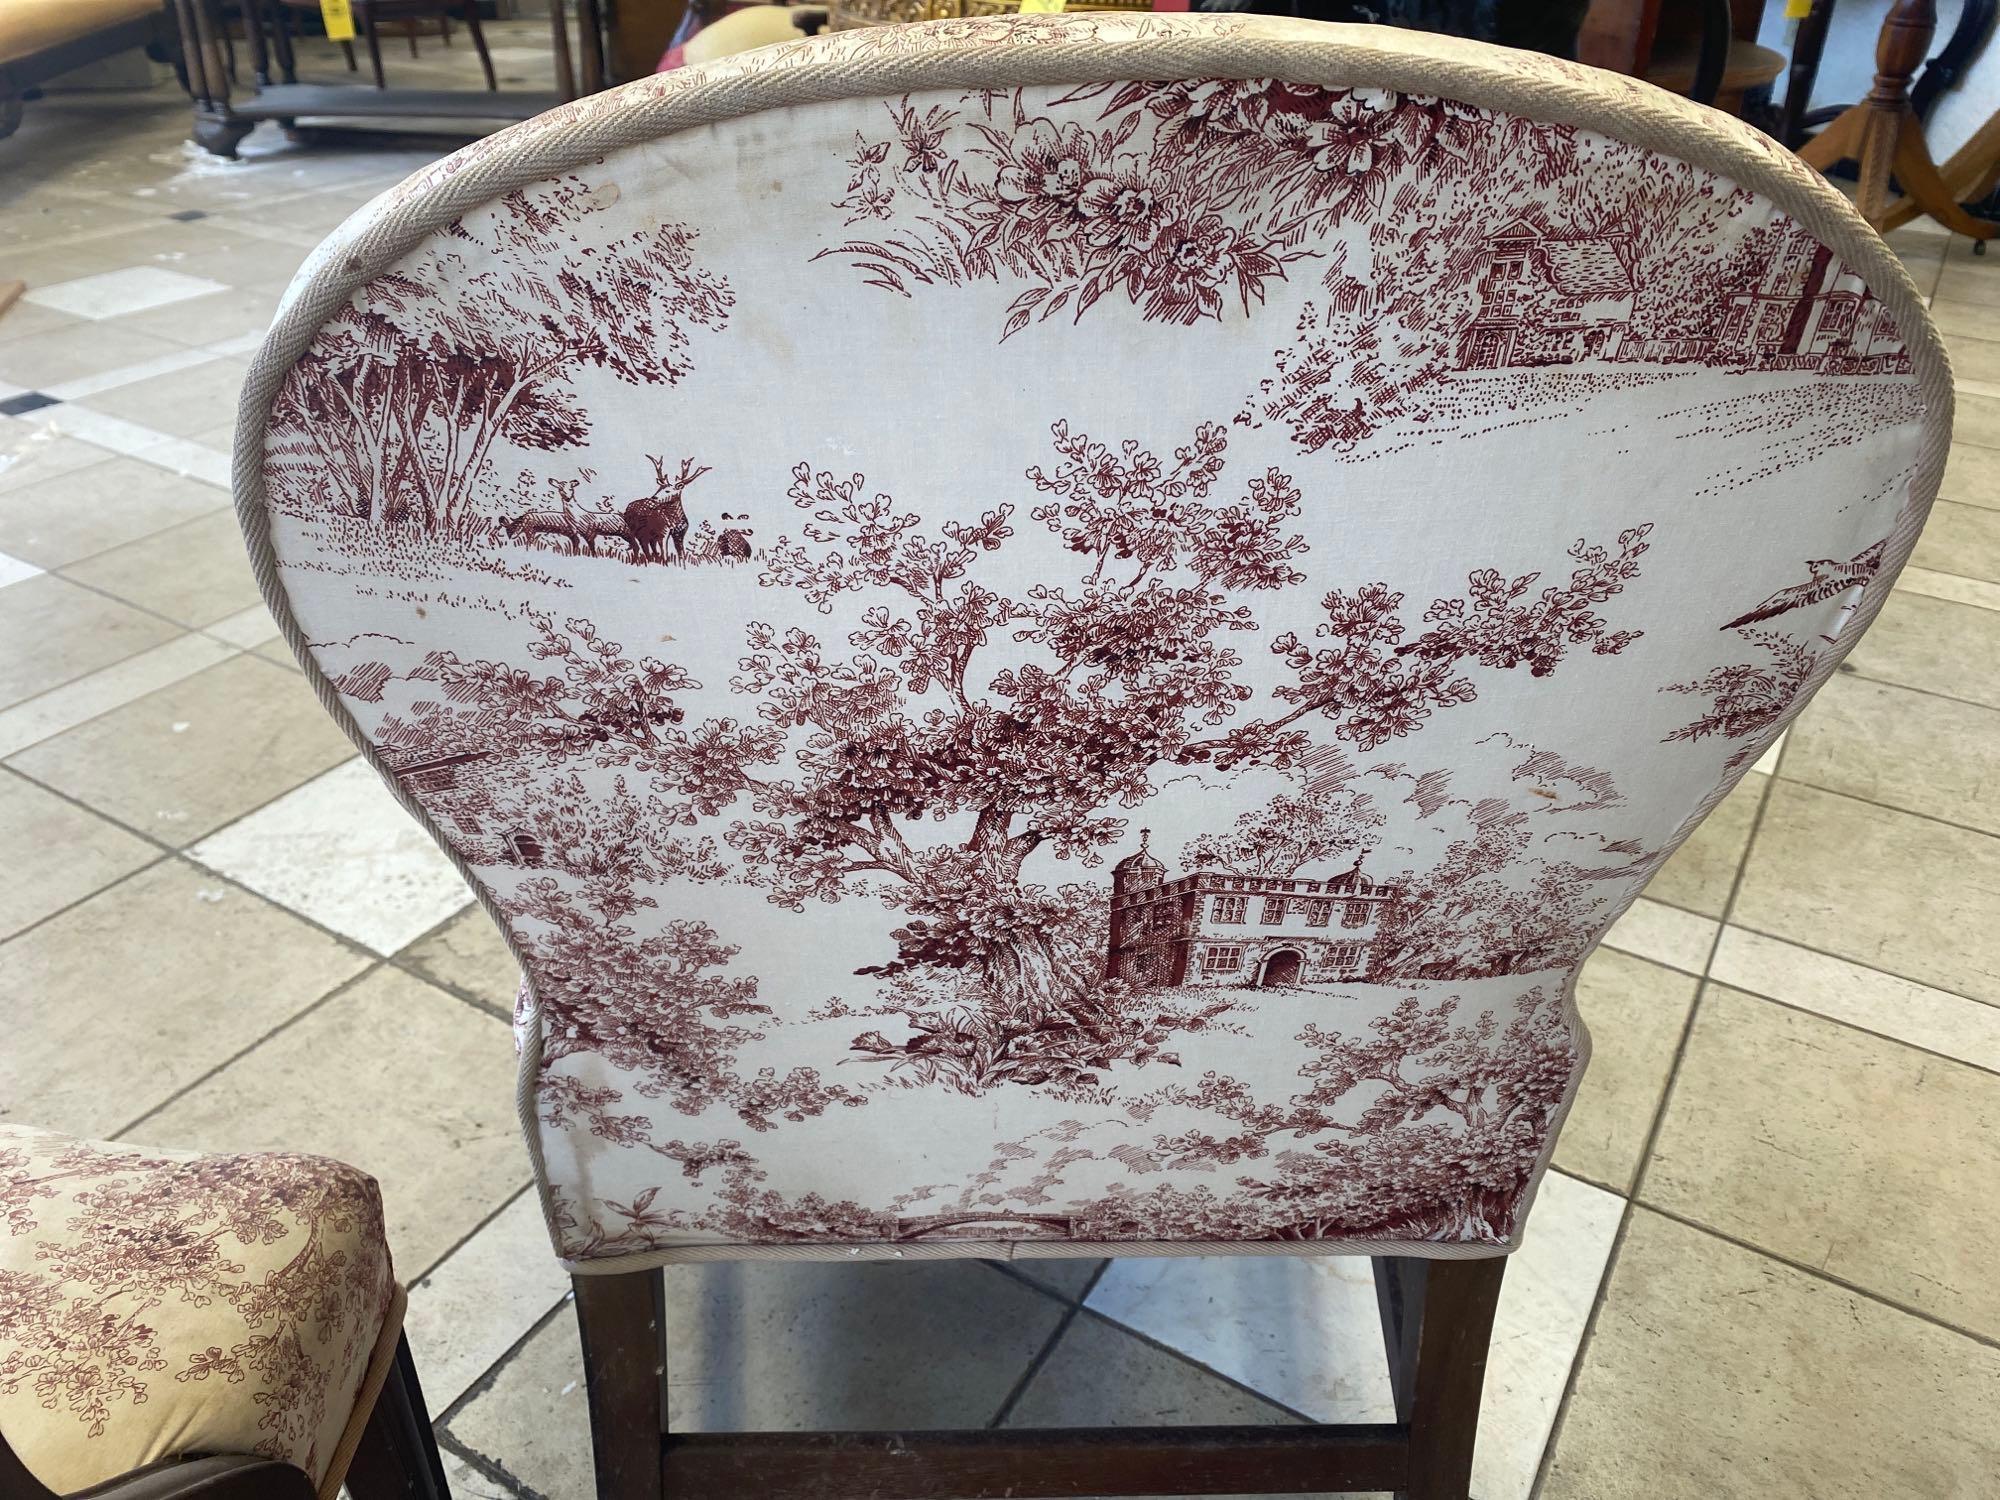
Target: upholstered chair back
{"points": [[1057, 636]]}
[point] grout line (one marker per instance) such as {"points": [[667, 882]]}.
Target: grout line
{"points": [[464, 1239], [479, 1463], [1829, 791], [1848, 670], [1041, 1355], [1779, 937], [1181, 1356], [205, 871], [1010, 1269], [401, 960], [1652, 1139], [1991, 1341], [493, 1371], [235, 1057], [1855, 1026]]}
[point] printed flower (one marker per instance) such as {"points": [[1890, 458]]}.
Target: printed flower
{"points": [[1193, 256], [1429, 124], [1050, 170], [1346, 138], [924, 148], [868, 197], [1230, 104], [1123, 209]]}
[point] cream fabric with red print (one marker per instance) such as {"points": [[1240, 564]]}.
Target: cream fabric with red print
{"points": [[155, 1304], [1059, 635]]}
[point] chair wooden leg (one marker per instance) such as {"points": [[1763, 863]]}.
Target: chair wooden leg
{"points": [[398, 1457], [374, 39], [1437, 1322], [622, 1319], [479, 43]]}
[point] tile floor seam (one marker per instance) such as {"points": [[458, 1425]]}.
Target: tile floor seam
{"points": [[1991, 1341], [396, 961], [75, 801], [464, 1239], [492, 1467], [1779, 937], [1859, 676], [164, 854], [1950, 572], [478, 1462], [1040, 1358], [1882, 1036], [1906, 812], [380, 960], [209, 872], [235, 1057], [104, 593], [484, 1383], [1546, 1463], [81, 237], [1631, 1197], [234, 651], [1209, 1371], [1008, 1269]]}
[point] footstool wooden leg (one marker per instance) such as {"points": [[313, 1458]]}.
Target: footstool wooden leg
{"points": [[398, 1457]]}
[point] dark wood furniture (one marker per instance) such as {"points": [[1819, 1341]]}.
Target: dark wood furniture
{"points": [[224, 113], [1885, 135], [1705, 49], [396, 1460], [1437, 1320], [370, 16]]}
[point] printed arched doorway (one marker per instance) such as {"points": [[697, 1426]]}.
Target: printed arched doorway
{"points": [[1281, 967]]}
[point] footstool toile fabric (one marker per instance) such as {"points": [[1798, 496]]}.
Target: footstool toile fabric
{"points": [[158, 1304], [1055, 636]]}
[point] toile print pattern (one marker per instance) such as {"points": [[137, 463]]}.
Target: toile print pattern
{"points": [[203, 1303], [1153, 780]]}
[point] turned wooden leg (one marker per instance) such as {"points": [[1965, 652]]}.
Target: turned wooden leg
{"points": [[1883, 134], [622, 1320], [1437, 1321], [398, 1457]]}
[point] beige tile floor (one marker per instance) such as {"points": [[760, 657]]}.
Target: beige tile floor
{"points": [[1763, 1267]]}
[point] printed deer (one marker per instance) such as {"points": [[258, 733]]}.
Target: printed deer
{"points": [[662, 516], [581, 529]]}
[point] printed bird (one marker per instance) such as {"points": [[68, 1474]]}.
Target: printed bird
{"points": [[1829, 580]]}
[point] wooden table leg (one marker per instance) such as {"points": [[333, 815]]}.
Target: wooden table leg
{"points": [[1885, 136]]}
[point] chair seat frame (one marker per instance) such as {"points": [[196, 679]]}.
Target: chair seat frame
{"points": [[1437, 1321]]}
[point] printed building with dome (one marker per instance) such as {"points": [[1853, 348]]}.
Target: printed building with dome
{"points": [[1216, 927]]}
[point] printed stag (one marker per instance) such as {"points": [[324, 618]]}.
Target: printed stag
{"points": [[662, 517]]}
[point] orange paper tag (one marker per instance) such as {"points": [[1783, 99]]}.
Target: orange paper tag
{"points": [[1797, 10], [338, 19]]}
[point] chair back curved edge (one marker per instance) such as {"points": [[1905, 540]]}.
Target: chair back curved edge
{"points": [[570, 159]]}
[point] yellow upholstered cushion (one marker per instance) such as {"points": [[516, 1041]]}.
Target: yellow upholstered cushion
{"points": [[739, 31], [159, 1303], [31, 26]]}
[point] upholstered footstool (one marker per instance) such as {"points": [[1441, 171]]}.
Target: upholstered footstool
{"points": [[179, 1324]]}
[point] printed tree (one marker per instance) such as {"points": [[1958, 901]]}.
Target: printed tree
{"points": [[1747, 699], [398, 405], [1290, 832], [968, 730], [971, 729], [1455, 1119]]}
